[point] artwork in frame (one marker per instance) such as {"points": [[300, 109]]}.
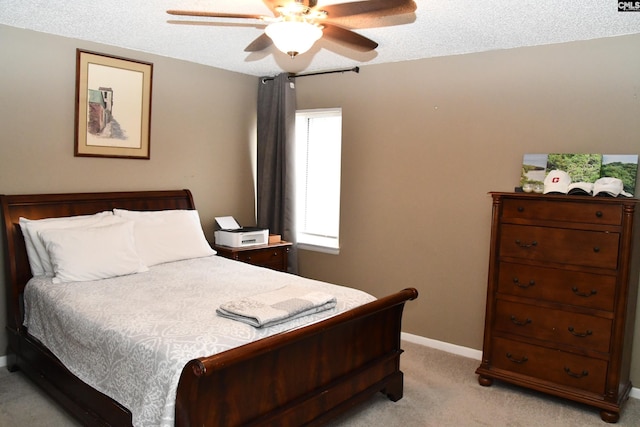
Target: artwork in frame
{"points": [[580, 167], [113, 106], [623, 167], [534, 169]]}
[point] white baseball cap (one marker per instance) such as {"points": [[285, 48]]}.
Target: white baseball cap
{"points": [[557, 181], [609, 187], [580, 188]]}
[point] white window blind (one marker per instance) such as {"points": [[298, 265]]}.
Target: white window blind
{"points": [[318, 159]]}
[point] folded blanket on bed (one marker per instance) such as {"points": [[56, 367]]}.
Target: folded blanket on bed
{"points": [[273, 307]]}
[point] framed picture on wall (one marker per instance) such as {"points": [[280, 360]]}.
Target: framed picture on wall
{"points": [[113, 106]]}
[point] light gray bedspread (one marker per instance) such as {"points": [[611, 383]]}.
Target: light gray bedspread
{"points": [[129, 337]]}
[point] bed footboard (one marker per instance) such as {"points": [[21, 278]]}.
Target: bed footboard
{"points": [[302, 377]]}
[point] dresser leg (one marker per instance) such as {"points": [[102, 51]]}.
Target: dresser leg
{"points": [[484, 381], [610, 417]]}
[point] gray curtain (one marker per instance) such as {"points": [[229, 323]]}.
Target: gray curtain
{"points": [[276, 159]]}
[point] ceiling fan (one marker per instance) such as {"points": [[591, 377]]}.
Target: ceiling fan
{"points": [[297, 24]]}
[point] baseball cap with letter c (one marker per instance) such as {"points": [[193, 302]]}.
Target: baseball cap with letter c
{"points": [[557, 182]]}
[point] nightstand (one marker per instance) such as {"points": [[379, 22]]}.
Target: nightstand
{"points": [[273, 255]]}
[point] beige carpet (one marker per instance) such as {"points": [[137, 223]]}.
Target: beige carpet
{"points": [[441, 389]]}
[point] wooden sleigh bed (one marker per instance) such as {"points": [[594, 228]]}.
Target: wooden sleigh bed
{"points": [[336, 363]]}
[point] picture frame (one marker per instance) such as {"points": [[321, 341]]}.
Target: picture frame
{"points": [[580, 167], [113, 106]]}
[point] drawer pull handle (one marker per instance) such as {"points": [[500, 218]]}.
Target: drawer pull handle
{"points": [[516, 282], [275, 254], [580, 334], [599, 214], [596, 249], [574, 375], [519, 322], [522, 360], [520, 209], [584, 294], [526, 245]]}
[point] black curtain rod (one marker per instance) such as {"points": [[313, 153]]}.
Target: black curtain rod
{"points": [[293, 76], [354, 69]]}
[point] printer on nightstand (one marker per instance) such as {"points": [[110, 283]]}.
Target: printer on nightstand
{"points": [[233, 235]]}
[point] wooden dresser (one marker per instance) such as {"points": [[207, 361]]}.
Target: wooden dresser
{"points": [[273, 255], [561, 297]]}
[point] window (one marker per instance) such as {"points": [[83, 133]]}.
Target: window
{"points": [[318, 153]]}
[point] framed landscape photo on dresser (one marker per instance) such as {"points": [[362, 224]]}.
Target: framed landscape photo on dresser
{"points": [[623, 167], [113, 106], [580, 166], [534, 168]]}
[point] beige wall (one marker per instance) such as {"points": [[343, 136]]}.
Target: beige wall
{"points": [[202, 130], [425, 141]]}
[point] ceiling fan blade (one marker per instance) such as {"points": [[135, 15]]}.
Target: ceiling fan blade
{"points": [[348, 37], [215, 23], [273, 4], [370, 8], [213, 14], [261, 43]]}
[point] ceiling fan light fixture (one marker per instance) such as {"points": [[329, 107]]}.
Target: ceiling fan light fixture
{"points": [[293, 37]]}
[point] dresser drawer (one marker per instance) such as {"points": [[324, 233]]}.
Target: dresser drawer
{"points": [[540, 210], [556, 285], [559, 245], [561, 327], [559, 367]]}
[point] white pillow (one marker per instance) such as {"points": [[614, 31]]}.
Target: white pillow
{"points": [[90, 253], [36, 252], [165, 236]]}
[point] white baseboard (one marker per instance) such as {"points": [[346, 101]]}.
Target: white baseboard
{"points": [[467, 352], [444, 346]]}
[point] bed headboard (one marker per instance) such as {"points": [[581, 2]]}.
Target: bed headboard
{"points": [[37, 206]]}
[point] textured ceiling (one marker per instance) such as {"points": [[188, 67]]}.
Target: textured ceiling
{"points": [[438, 28]]}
